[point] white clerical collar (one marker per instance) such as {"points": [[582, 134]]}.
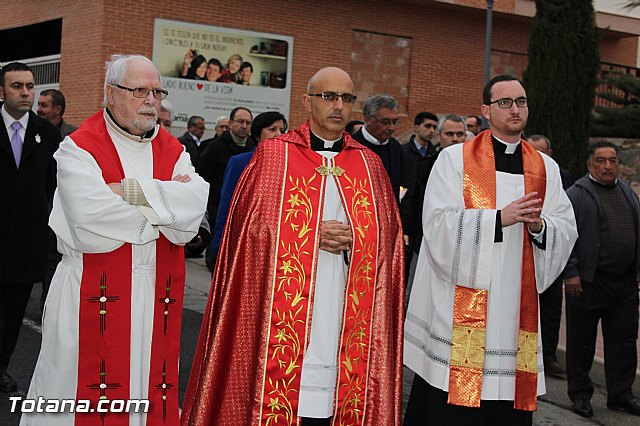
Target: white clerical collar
{"points": [[368, 136], [327, 143], [8, 120], [510, 148]]}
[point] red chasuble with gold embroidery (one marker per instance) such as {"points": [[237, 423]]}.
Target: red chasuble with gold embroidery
{"points": [[248, 362], [105, 301]]}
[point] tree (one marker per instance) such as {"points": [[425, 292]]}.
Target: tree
{"points": [[623, 120], [561, 77]]}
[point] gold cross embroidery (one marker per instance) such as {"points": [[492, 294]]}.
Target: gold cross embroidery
{"points": [[527, 352], [467, 347]]}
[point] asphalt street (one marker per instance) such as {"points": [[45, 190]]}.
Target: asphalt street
{"points": [[553, 408]]}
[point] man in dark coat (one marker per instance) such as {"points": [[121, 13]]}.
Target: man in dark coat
{"points": [[214, 159], [601, 283], [27, 183], [192, 138], [381, 118]]}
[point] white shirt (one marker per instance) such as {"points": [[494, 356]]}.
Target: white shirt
{"points": [[9, 120]]}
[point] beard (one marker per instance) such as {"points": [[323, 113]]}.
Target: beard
{"points": [[144, 123]]}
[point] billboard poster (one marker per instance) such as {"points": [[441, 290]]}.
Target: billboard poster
{"points": [[210, 70]]}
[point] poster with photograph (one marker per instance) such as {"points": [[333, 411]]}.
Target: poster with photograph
{"points": [[210, 70]]}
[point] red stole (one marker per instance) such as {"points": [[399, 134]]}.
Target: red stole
{"points": [[105, 301], [470, 305], [294, 284]]}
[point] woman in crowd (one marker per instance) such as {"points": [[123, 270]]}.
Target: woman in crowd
{"points": [[264, 126]]}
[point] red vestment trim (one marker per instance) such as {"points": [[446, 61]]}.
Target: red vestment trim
{"points": [[105, 332]]}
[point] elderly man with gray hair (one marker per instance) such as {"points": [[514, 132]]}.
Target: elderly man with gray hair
{"points": [[381, 119], [127, 196]]}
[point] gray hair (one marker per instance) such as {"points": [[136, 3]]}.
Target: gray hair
{"points": [[451, 117], [373, 103], [219, 119], [543, 137], [117, 69], [166, 106]]}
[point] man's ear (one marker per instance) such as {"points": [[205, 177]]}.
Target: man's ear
{"points": [[486, 111], [109, 95], [306, 102]]}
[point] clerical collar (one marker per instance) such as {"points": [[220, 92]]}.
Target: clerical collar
{"points": [[320, 144], [596, 181], [510, 148], [238, 141], [147, 137], [368, 136]]}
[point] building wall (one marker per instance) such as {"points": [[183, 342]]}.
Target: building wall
{"points": [[447, 57]]}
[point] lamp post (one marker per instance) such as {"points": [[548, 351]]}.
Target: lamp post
{"points": [[487, 51]]}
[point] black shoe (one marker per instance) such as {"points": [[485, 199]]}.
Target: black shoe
{"points": [[7, 383], [554, 369], [582, 407], [631, 406]]}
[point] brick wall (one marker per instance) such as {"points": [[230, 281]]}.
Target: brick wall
{"points": [[447, 53]]}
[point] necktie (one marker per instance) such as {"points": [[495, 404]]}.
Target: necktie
{"points": [[423, 151], [16, 142]]}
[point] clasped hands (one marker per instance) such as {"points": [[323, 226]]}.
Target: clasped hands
{"points": [[525, 210], [335, 237]]}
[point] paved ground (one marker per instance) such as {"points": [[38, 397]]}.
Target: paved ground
{"points": [[553, 408]]}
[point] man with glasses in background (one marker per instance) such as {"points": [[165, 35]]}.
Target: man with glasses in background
{"points": [[498, 229], [601, 283], [214, 159], [381, 118], [127, 196], [304, 324]]}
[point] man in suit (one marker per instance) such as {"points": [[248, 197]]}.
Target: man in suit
{"points": [[27, 183], [51, 106], [192, 138], [381, 118]]}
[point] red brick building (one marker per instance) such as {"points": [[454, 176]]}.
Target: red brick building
{"points": [[428, 53]]}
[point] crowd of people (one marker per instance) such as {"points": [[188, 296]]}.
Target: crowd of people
{"points": [[196, 67], [337, 255]]}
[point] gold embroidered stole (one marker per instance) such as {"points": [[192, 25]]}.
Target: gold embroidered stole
{"points": [[470, 305], [294, 284]]}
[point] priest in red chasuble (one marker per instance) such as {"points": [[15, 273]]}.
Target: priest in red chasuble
{"points": [[128, 199], [304, 322], [498, 230]]}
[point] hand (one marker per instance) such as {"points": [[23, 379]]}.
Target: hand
{"points": [[573, 287], [335, 237], [525, 210], [182, 178], [116, 188], [406, 240], [188, 57]]}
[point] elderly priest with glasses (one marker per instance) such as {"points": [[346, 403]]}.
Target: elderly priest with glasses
{"points": [[127, 200], [498, 230], [308, 329]]}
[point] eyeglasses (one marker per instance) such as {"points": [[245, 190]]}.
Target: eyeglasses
{"points": [[143, 92], [387, 121], [505, 103], [242, 122], [347, 98]]}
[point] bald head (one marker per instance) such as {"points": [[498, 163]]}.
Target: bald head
{"points": [[329, 114], [327, 74]]}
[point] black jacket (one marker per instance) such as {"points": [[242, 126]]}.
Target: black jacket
{"points": [[192, 148], [25, 193], [392, 163], [586, 206], [212, 164]]}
